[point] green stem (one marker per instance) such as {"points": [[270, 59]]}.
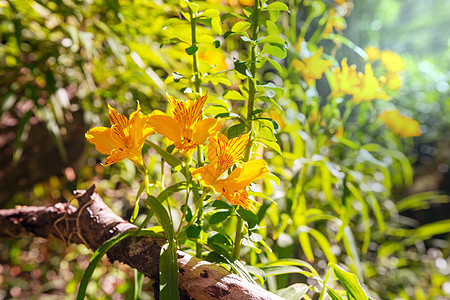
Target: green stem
{"points": [[322, 293], [187, 162], [238, 238], [254, 53], [197, 80], [252, 80]]}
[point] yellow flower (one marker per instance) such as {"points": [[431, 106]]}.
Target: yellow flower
{"points": [[124, 139], [233, 187], [185, 129], [214, 58], [344, 80], [394, 81], [312, 67], [236, 3], [369, 88], [334, 21], [401, 125], [223, 154], [373, 53], [392, 61]]}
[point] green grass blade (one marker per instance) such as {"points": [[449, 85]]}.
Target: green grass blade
{"points": [[350, 283], [98, 254]]}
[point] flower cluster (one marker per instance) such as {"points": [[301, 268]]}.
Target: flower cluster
{"points": [[186, 130], [392, 63], [363, 87], [312, 67]]}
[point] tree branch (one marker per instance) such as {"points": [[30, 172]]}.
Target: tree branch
{"points": [[93, 223]]}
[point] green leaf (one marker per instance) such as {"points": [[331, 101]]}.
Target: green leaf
{"points": [[350, 283], [235, 130], [233, 95], [276, 6], [293, 292], [271, 27], [241, 26], [168, 272], [136, 206], [273, 39], [257, 272], [248, 216], [191, 50], [168, 158], [162, 215], [333, 294], [241, 67], [169, 191], [276, 65], [279, 270], [210, 12], [219, 217], [216, 25], [275, 50], [215, 237], [193, 231], [138, 280]]}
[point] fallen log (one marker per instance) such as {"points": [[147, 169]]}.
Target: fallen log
{"points": [[94, 222]]}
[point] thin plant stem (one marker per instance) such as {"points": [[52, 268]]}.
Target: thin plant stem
{"points": [[187, 162], [250, 106], [197, 80], [238, 238]]}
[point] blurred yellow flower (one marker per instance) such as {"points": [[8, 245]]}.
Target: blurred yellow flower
{"points": [[394, 81], [312, 67], [392, 61], [369, 88], [236, 3], [334, 21], [124, 139], [185, 129], [214, 58], [344, 80], [373, 53], [401, 125]]}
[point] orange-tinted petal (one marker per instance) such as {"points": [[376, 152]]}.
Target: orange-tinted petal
{"points": [[101, 138], [166, 125], [245, 174], [204, 129], [116, 156], [206, 175], [117, 119]]}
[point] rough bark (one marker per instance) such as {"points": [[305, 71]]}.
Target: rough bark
{"points": [[93, 223]]}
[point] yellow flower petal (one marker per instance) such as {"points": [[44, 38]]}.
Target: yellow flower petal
{"points": [[246, 174], [206, 175], [205, 128], [101, 138], [166, 125]]}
